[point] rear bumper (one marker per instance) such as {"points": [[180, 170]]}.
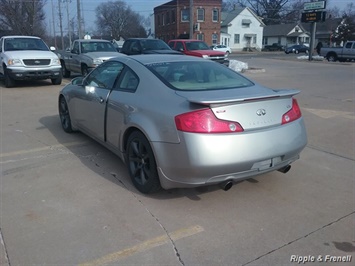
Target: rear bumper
{"points": [[34, 74], [205, 159]]}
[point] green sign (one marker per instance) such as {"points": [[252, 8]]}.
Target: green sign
{"points": [[314, 5]]}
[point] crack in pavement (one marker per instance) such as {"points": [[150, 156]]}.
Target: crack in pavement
{"points": [[7, 260], [297, 239], [92, 160]]}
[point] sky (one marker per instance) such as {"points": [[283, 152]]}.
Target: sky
{"points": [[143, 7]]}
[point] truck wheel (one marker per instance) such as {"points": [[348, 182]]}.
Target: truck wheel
{"points": [[332, 58], [65, 71], [57, 81], [9, 82], [84, 70]]}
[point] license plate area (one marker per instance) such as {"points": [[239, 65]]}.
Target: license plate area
{"points": [[266, 164]]}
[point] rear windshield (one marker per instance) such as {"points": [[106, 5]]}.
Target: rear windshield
{"points": [[192, 75]]}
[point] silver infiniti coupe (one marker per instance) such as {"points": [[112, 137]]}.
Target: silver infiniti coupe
{"points": [[182, 121]]}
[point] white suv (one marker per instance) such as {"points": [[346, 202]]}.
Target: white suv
{"points": [[28, 58]]}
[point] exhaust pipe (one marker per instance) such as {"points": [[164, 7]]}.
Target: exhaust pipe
{"points": [[226, 185], [284, 169]]}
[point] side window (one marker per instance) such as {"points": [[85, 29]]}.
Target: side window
{"points": [[348, 45], [75, 47], [105, 75], [128, 82], [179, 46]]}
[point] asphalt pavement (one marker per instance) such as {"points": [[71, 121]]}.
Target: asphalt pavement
{"points": [[66, 200]]}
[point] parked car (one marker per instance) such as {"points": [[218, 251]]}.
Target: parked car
{"points": [[28, 58], [297, 48], [222, 48], [339, 53], [274, 47], [85, 55], [136, 46], [197, 48], [182, 121]]}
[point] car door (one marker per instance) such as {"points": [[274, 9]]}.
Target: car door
{"points": [[119, 106], [91, 104], [349, 50]]}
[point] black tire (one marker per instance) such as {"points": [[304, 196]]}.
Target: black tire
{"points": [[84, 70], [57, 81], [332, 58], [65, 71], [141, 164], [64, 115], [9, 82]]}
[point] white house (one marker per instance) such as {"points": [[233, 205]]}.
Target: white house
{"points": [[285, 34], [241, 29]]}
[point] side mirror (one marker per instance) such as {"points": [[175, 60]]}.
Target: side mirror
{"points": [[77, 81], [52, 48]]}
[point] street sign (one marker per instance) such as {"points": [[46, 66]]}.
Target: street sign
{"points": [[315, 16], [314, 5]]}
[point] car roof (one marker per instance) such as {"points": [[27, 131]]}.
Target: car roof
{"points": [[21, 36], [186, 40], [161, 58]]}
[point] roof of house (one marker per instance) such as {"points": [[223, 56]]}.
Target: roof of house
{"points": [[228, 17], [322, 28], [280, 29], [328, 26]]}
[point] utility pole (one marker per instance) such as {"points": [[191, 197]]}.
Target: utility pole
{"points": [[191, 20], [53, 20], [61, 22], [69, 26], [79, 18]]}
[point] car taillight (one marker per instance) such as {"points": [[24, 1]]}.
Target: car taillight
{"points": [[204, 121], [293, 114]]}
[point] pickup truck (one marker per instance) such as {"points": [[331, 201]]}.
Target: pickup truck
{"points": [[198, 48], [274, 47], [85, 55], [347, 52], [135, 46], [28, 58]]}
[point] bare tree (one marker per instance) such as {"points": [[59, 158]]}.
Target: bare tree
{"points": [[116, 19], [271, 10], [23, 17]]}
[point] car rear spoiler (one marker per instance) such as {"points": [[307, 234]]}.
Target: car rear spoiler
{"points": [[194, 97]]}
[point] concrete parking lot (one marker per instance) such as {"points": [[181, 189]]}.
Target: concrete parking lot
{"points": [[65, 200]]}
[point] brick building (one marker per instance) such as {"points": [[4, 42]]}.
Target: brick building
{"points": [[172, 20]]}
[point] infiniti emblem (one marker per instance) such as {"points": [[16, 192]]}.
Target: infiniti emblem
{"points": [[261, 112]]}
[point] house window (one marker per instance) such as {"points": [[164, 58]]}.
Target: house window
{"points": [[236, 38], [254, 39], [172, 16], [158, 22], [214, 38], [215, 15], [200, 14], [185, 15], [265, 40], [163, 19], [246, 23], [167, 18], [200, 36]]}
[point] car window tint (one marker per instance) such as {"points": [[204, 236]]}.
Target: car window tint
{"points": [[105, 75], [188, 75], [129, 81]]}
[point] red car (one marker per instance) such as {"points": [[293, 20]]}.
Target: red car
{"points": [[197, 48]]}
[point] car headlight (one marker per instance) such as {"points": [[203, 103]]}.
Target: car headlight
{"points": [[97, 61], [14, 62], [56, 61], [205, 56]]}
